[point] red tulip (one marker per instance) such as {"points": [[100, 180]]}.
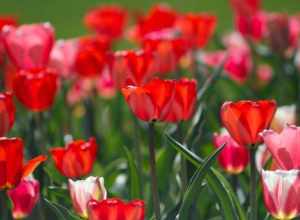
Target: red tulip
{"points": [[109, 20], [284, 146], [7, 113], [234, 158], [62, 57], [116, 209], [92, 56], [12, 168], [198, 28], [151, 101], [184, 101], [135, 67], [246, 7], [281, 193], [24, 197], [76, 159], [160, 17], [244, 120], [29, 46], [36, 90], [167, 49]]}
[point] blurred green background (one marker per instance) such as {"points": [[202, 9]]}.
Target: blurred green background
{"points": [[66, 15]]}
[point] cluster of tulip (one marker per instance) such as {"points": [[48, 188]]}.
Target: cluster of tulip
{"points": [[159, 83]]}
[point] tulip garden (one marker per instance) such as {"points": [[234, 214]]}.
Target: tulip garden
{"points": [[154, 115]]}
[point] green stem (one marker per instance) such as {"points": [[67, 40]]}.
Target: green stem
{"points": [[253, 198], [4, 210], [155, 196]]}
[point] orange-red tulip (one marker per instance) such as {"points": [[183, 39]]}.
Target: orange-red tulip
{"points": [[7, 113]]}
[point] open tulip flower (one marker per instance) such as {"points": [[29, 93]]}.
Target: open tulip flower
{"points": [[12, 167], [76, 159], [281, 193], [29, 46], [284, 146], [108, 20], [36, 90], [7, 112], [24, 197], [234, 158], [116, 209], [244, 119], [82, 191]]}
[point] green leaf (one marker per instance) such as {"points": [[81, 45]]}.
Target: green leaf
{"points": [[135, 190], [227, 199], [193, 189]]}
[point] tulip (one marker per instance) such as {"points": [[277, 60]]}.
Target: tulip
{"points": [[198, 28], [7, 112], [62, 57], [106, 85], [152, 101], [76, 159], [281, 193], [24, 197], [184, 101], [167, 48], [284, 146], [108, 20], [29, 46], [82, 191], [116, 209], [79, 90], [36, 90], [294, 30], [12, 168], [234, 158], [92, 56], [246, 7], [244, 120], [285, 115]]}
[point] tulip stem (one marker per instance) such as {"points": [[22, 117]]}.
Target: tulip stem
{"points": [[155, 196], [253, 199], [4, 208]]}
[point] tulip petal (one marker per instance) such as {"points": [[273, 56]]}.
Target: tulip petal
{"points": [[32, 165]]}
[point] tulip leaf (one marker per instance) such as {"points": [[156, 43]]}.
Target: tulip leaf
{"points": [[228, 200], [193, 189], [135, 185]]}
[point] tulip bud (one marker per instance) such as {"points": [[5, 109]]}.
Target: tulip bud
{"points": [[82, 191], [24, 197]]}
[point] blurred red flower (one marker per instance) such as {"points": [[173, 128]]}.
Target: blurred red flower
{"points": [[7, 112], [245, 119], [29, 46], [12, 167], [36, 90], [234, 158], [108, 20], [246, 7], [116, 209], [24, 198], [92, 55], [76, 159]]}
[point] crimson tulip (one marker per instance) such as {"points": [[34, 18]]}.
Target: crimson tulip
{"points": [[24, 198], [281, 193], [12, 167], [108, 20], [29, 46], [36, 90], [151, 101], [198, 28], [184, 100], [246, 7], [234, 158], [245, 119], [116, 209], [82, 191], [92, 56], [76, 159], [7, 112], [167, 49]]}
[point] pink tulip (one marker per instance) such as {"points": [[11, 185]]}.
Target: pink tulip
{"points": [[82, 191], [281, 193], [28, 46], [106, 85], [24, 197], [284, 146]]}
